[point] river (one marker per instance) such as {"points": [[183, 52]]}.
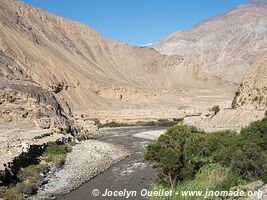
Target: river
{"points": [[131, 174]]}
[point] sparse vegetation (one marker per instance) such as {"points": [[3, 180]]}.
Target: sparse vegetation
{"points": [[30, 177], [158, 123], [215, 109], [97, 122], [114, 124], [183, 153]]}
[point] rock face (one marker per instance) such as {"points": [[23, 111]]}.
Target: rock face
{"points": [[224, 45], [22, 99], [253, 89], [17, 139], [53, 56]]}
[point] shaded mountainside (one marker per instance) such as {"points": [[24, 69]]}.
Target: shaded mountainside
{"points": [[83, 70], [253, 89], [224, 45]]}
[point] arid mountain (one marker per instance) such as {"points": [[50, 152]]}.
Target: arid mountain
{"points": [[85, 71], [225, 45], [253, 89]]}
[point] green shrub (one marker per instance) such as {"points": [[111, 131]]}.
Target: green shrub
{"points": [[55, 153], [114, 124], [246, 153], [28, 187], [12, 194], [151, 123], [32, 171], [167, 122], [215, 109], [256, 133], [194, 154], [218, 141], [167, 154], [2, 191], [97, 122], [158, 123], [249, 161], [182, 151]]}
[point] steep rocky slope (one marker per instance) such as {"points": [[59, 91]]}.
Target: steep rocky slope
{"points": [[224, 45], [21, 99], [253, 89], [85, 71]]}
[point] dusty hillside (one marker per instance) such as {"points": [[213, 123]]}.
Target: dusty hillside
{"points": [[21, 99], [253, 89], [224, 45], [232, 119], [87, 72]]}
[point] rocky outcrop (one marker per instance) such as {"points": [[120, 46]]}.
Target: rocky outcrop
{"points": [[23, 100], [224, 45], [253, 89], [260, 189], [32, 104]]}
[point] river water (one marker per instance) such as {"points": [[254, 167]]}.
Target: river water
{"points": [[131, 174]]}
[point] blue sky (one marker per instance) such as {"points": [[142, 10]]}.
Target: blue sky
{"points": [[137, 22]]}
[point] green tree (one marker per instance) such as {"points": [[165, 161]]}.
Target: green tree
{"points": [[215, 109], [167, 154]]}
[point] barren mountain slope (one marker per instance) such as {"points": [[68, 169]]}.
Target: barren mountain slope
{"points": [[86, 71], [253, 89], [225, 45], [21, 99]]}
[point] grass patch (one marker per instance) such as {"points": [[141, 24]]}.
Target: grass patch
{"points": [[11, 194], [212, 177], [55, 153]]}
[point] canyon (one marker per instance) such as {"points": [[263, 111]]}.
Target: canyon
{"points": [[57, 77]]}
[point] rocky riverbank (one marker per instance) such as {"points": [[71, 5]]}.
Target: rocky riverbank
{"points": [[16, 138], [86, 160], [150, 135]]}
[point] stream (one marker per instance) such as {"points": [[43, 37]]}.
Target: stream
{"points": [[131, 174]]}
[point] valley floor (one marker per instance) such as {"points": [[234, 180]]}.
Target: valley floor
{"points": [[91, 157]]}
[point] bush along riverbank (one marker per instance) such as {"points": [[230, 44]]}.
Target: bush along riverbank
{"points": [[24, 182], [188, 159], [156, 123]]}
